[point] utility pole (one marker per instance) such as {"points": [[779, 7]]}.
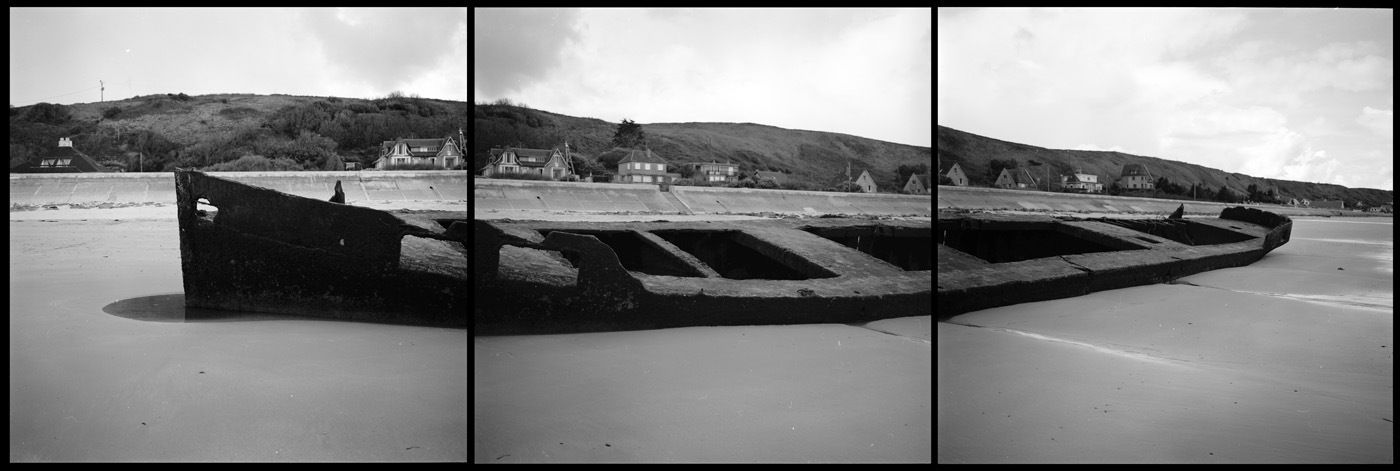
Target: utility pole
{"points": [[101, 92]]}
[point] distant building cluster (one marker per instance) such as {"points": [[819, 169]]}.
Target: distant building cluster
{"points": [[1133, 177]]}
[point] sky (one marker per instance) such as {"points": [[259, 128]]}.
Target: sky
{"points": [[1293, 94], [867, 73], [58, 55]]}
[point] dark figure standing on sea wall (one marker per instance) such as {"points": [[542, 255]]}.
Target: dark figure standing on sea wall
{"points": [[339, 194]]}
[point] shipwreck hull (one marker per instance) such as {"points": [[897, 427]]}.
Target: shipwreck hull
{"points": [[268, 251], [986, 261], [551, 277]]}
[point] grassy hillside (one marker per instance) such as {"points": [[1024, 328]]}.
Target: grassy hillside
{"points": [[818, 158], [975, 154], [160, 132]]}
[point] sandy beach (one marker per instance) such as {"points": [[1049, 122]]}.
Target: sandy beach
{"points": [[814, 393], [1287, 360], [86, 385]]}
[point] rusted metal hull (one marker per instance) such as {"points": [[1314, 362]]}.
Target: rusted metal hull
{"points": [[547, 277], [268, 251], [987, 261]]}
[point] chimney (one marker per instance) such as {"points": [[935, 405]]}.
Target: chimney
{"points": [[64, 142]]}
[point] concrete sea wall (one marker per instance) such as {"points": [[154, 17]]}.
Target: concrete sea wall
{"points": [[745, 200], [41, 189]]}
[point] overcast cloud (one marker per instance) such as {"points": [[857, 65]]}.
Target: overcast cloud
{"points": [[349, 52], [1292, 94], [862, 72]]}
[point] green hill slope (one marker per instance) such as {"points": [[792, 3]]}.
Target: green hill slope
{"points": [[814, 157], [160, 132]]}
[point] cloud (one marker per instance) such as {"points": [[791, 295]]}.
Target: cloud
{"points": [[1381, 122], [388, 48], [1265, 72], [519, 48]]}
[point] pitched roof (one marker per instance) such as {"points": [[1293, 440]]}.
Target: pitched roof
{"points": [[1019, 175], [642, 156], [945, 167], [433, 145], [77, 161], [528, 157], [1135, 170]]}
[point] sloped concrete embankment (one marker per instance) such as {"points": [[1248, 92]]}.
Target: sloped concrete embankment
{"points": [[616, 197], [569, 196], [744, 200], [94, 188]]}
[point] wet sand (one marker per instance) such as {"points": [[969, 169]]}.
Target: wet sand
{"points": [[801, 393], [1286, 360], [89, 386], [793, 394]]}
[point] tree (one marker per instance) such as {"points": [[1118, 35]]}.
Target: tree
{"points": [[47, 113], [1225, 195], [902, 173], [629, 134], [994, 168]]}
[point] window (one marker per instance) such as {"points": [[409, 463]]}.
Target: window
{"points": [[64, 162], [661, 167], [646, 178], [48, 163], [646, 166]]}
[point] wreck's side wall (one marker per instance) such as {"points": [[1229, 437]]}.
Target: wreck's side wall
{"points": [[37, 189]]}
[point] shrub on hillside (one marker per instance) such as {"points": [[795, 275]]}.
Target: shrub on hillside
{"points": [[412, 167], [845, 187], [255, 163], [112, 112], [522, 176], [47, 113]]}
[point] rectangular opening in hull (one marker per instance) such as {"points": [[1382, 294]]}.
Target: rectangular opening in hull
{"points": [[909, 248], [636, 253], [1014, 243], [740, 256]]}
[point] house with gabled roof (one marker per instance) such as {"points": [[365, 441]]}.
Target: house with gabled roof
{"points": [[445, 152], [62, 159], [1015, 178], [517, 160], [953, 171], [643, 166], [1136, 177], [1081, 182], [915, 185], [866, 182], [713, 171]]}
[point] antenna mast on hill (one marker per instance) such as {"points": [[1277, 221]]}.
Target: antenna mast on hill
{"points": [[102, 92]]}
